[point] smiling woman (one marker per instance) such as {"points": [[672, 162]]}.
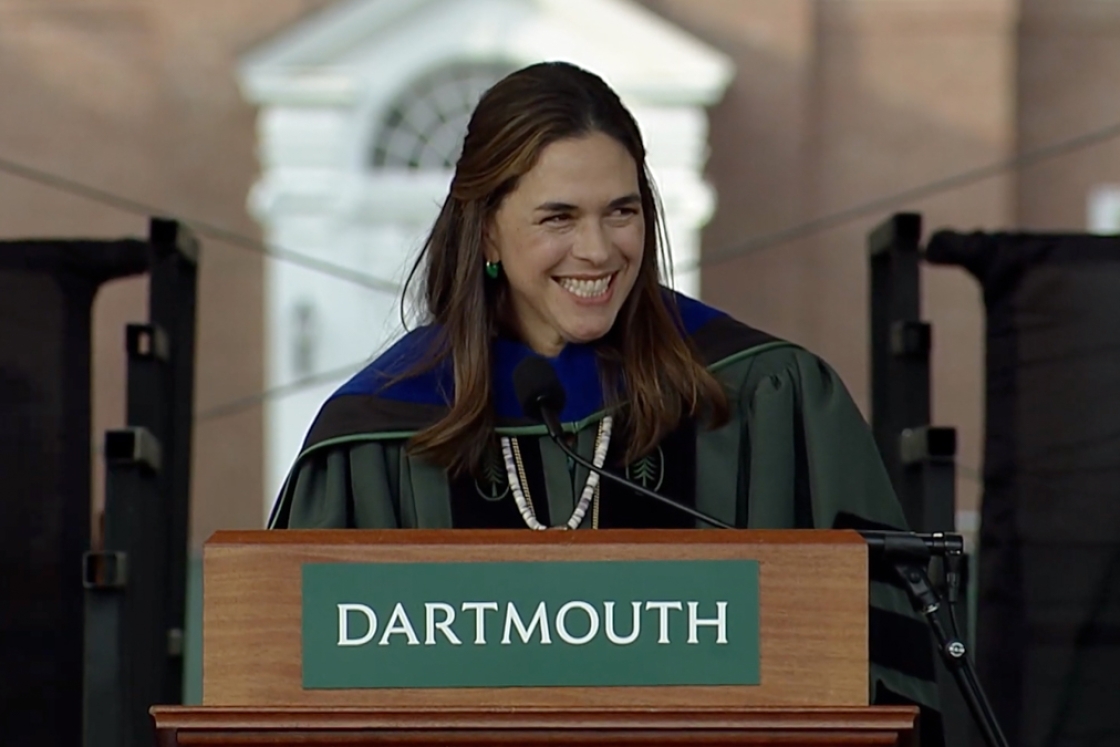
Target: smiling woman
{"points": [[571, 238], [548, 245]]}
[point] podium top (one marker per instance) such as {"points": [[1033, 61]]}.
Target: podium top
{"points": [[524, 536]]}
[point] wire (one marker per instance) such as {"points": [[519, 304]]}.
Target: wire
{"points": [[710, 257], [202, 228], [898, 199], [237, 406], [752, 245], [970, 473]]}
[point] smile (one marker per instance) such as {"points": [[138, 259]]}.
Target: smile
{"points": [[587, 288]]}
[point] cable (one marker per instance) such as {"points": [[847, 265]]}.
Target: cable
{"points": [[883, 204], [758, 243], [202, 228], [711, 257], [236, 406], [970, 473]]}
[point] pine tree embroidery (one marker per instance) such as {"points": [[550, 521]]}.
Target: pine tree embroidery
{"points": [[495, 476], [647, 470]]}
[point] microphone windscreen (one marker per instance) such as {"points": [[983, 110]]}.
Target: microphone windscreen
{"points": [[535, 381]]}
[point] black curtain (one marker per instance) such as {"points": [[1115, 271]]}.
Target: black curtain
{"points": [[1048, 637], [46, 293]]}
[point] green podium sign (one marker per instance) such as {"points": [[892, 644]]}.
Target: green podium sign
{"points": [[537, 624]]}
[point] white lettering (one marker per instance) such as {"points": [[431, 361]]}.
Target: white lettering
{"points": [[399, 623], [479, 618], [637, 627], [344, 611], [663, 610], [513, 619], [443, 626], [719, 622], [562, 628]]}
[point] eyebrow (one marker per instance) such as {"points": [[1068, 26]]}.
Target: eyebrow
{"points": [[564, 207]]}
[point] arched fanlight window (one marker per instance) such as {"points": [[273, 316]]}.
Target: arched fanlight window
{"points": [[424, 128]]}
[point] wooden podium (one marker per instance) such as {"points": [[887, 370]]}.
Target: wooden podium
{"points": [[812, 633]]}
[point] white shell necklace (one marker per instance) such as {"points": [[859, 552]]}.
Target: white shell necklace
{"points": [[519, 485]]}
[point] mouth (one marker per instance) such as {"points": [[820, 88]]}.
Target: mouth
{"points": [[587, 288]]}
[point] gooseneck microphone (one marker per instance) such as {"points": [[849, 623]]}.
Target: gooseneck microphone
{"points": [[542, 397]]}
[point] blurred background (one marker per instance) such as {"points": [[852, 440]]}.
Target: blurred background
{"points": [[308, 144]]}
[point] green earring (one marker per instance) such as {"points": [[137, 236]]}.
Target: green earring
{"points": [[493, 269]]}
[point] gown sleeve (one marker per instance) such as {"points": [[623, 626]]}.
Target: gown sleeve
{"points": [[813, 463], [341, 487]]}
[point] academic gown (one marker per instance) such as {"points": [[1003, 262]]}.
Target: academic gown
{"points": [[796, 453]]}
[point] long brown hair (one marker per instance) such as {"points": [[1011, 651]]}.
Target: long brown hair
{"points": [[652, 375]]}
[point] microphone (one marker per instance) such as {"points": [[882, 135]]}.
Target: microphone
{"points": [[542, 397], [913, 544]]}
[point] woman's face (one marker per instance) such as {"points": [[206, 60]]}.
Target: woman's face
{"points": [[570, 238]]}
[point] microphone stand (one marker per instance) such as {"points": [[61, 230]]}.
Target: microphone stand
{"points": [[908, 553], [912, 571]]}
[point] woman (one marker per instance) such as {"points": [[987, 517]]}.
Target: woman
{"points": [[548, 245]]}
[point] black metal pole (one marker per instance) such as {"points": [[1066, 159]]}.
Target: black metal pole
{"points": [[121, 581], [900, 351], [135, 625], [172, 309], [919, 457], [928, 459]]}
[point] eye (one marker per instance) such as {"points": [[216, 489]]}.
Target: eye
{"points": [[626, 211], [557, 218]]}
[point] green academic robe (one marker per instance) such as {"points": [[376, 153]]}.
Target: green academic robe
{"points": [[796, 453]]}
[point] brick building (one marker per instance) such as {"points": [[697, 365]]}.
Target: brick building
{"points": [[833, 103]]}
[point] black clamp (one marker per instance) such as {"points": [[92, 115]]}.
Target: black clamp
{"points": [[147, 342], [927, 443], [910, 339], [133, 447], [104, 571]]}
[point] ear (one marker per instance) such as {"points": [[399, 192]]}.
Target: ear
{"points": [[489, 245]]}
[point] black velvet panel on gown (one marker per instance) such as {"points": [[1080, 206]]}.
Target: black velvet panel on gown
{"points": [[486, 502]]}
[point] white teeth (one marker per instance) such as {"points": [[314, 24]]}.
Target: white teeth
{"points": [[586, 288]]}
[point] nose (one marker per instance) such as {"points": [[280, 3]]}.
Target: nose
{"points": [[592, 244]]}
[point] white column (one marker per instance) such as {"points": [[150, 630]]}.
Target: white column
{"points": [[677, 149]]}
